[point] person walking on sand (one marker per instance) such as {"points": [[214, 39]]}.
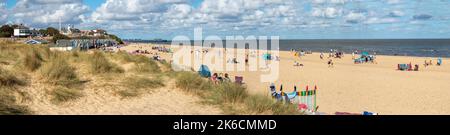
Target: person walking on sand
{"points": [[353, 55], [246, 59]]}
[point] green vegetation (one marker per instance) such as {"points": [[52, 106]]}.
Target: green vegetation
{"points": [[117, 39], [57, 71], [62, 94], [8, 84], [32, 60], [139, 85], [191, 82], [6, 31], [8, 105], [229, 93], [51, 31], [100, 65], [232, 98], [59, 37], [9, 79], [145, 65]]}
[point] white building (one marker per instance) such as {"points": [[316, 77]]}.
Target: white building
{"points": [[22, 31]]}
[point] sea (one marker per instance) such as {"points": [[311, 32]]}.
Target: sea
{"points": [[393, 47]]}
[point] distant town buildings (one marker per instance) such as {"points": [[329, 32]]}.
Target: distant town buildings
{"points": [[22, 31], [71, 31]]}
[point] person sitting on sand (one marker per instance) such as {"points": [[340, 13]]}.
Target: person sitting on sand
{"points": [[297, 64], [273, 90], [226, 78], [235, 61], [214, 78], [330, 63], [220, 77]]}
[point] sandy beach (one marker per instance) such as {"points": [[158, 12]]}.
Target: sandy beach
{"points": [[349, 87]]}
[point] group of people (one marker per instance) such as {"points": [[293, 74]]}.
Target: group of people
{"points": [[161, 49], [219, 78], [141, 52], [430, 62], [335, 54]]}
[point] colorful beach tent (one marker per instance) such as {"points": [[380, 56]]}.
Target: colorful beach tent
{"points": [[365, 54], [204, 71]]}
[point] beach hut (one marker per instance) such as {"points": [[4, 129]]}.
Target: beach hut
{"points": [[204, 71]]}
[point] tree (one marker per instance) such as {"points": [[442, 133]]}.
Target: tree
{"points": [[118, 40], [6, 31], [59, 37], [44, 32], [52, 31]]}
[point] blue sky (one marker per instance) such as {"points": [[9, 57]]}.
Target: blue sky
{"points": [[289, 19]]}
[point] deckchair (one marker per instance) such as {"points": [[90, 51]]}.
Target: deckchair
{"points": [[239, 80]]}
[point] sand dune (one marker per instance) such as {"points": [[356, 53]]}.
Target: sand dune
{"points": [[103, 101]]}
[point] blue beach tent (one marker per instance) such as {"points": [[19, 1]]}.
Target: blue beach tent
{"points": [[439, 61], [365, 54], [204, 71]]}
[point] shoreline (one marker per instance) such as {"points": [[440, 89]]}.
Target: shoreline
{"points": [[345, 53]]}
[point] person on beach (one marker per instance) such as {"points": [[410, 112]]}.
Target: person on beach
{"points": [[226, 78], [214, 78], [321, 55], [330, 63], [220, 77], [246, 59], [353, 55]]}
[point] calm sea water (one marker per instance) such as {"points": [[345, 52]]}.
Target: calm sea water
{"points": [[396, 47]]}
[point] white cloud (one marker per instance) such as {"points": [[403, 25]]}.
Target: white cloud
{"points": [[393, 1], [354, 17], [329, 1], [396, 13], [328, 12], [45, 12], [211, 14], [3, 12], [376, 20]]}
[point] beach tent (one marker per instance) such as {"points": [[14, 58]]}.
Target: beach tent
{"points": [[204, 71], [439, 62], [364, 54]]}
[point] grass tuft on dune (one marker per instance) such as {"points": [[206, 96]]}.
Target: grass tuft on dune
{"points": [[232, 98], [136, 86], [62, 94], [100, 64]]}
